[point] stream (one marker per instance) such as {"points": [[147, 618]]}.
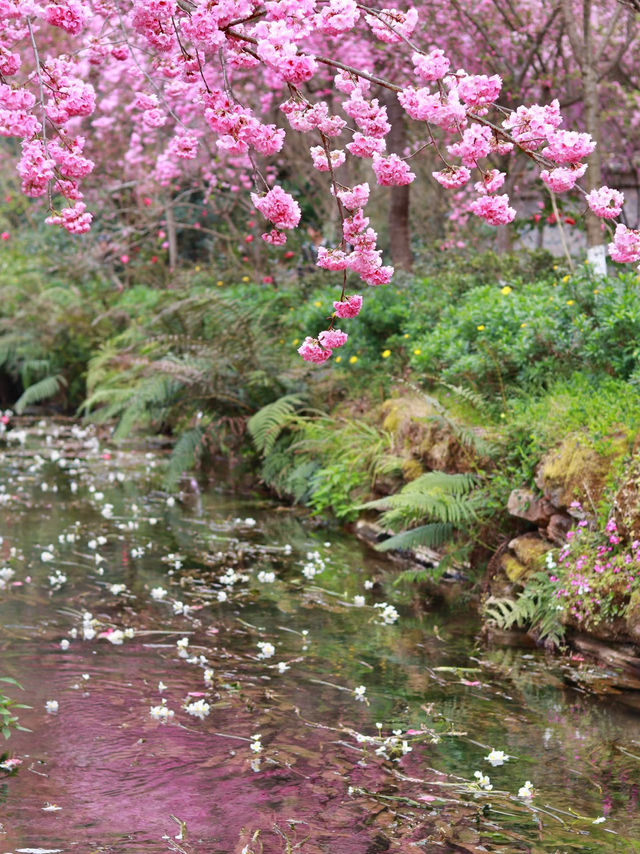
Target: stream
{"points": [[211, 673]]}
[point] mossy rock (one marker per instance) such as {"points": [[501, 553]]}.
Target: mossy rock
{"points": [[411, 469], [627, 501], [632, 616], [421, 434], [576, 471], [530, 550], [515, 571]]}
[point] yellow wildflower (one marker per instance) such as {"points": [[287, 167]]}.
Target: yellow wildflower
{"points": [[245, 278], [219, 283], [386, 354], [353, 360], [417, 351], [506, 290], [295, 342], [317, 303], [480, 328], [570, 302], [338, 358], [565, 279]]}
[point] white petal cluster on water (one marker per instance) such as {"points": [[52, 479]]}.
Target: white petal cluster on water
{"points": [[267, 650], [387, 613], [161, 713], [527, 791], [497, 757], [57, 579], [6, 574], [483, 781], [314, 565], [199, 709]]}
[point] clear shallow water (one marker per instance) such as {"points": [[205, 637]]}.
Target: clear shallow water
{"points": [[118, 775]]}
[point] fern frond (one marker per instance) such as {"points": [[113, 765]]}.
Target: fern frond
{"points": [[535, 608], [43, 389], [267, 423], [473, 398], [431, 536], [184, 456]]}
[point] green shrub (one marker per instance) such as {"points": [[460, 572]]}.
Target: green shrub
{"points": [[524, 335]]}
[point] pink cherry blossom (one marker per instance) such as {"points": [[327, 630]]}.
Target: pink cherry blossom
{"points": [[320, 160], [355, 198], [563, 178], [431, 66], [606, 202], [279, 207], [312, 351], [453, 177], [494, 210], [332, 338], [392, 170], [477, 89], [625, 247], [391, 24], [568, 146], [491, 181], [331, 259], [349, 307]]}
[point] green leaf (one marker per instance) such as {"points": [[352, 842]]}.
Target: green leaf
{"points": [[43, 389]]}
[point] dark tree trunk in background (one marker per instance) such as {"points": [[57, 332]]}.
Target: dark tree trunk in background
{"points": [[399, 231]]}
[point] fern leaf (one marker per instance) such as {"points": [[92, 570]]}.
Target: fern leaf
{"points": [[431, 536], [185, 453], [267, 423], [43, 389]]}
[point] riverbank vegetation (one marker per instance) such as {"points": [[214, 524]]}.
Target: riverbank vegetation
{"points": [[474, 377]]}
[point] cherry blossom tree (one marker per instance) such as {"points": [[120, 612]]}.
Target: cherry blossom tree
{"points": [[158, 92]]}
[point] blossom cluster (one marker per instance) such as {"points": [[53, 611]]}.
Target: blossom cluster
{"points": [[189, 86]]}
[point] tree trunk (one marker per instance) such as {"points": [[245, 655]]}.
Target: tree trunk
{"points": [[596, 254], [172, 236], [399, 229]]}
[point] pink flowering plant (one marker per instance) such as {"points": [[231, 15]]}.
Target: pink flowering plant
{"points": [[594, 574]]}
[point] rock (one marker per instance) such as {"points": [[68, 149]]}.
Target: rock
{"points": [[576, 471], [633, 616], [423, 437], [557, 528], [515, 571], [627, 502], [524, 504], [530, 550]]}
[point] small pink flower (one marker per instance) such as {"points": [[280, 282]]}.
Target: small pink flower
{"points": [[350, 307]]}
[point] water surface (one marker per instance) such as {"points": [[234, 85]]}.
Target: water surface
{"points": [[102, 773]]}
